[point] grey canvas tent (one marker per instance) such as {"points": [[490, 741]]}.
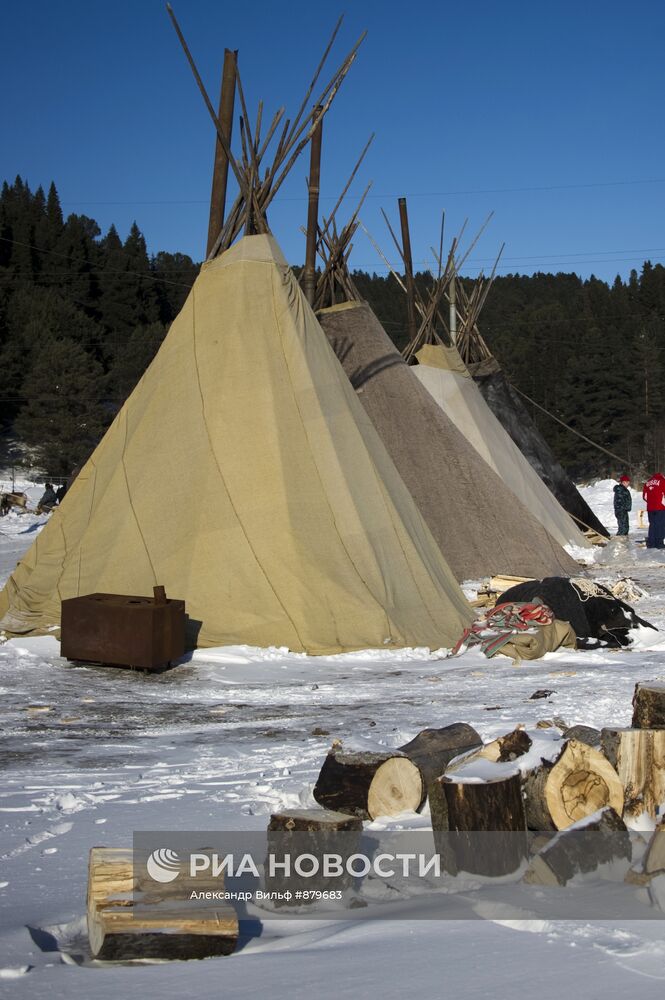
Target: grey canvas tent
{"points": [[437, 364], [481, 527], [511, 412]]}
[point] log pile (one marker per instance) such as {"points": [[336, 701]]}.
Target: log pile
{"points": [[498, 808]]}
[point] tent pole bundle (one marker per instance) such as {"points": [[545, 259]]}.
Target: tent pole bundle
{"points": [[248, 214]]}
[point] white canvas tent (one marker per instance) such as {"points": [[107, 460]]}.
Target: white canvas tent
{"points": [[445, 376], [244, 475]]}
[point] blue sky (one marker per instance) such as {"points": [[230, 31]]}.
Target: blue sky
{"points": [[549, 114]]}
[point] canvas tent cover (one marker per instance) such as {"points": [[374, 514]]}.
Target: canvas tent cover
{"points": [[512, 414], [480, 525], [243, 474], [444, 375]]}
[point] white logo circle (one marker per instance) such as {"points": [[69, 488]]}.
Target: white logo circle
{"points": [[163, 865]]}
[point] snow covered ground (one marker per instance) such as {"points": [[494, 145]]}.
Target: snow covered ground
{"points": [[88, 755]]}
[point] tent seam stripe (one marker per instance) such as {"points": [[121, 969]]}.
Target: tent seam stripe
{"points": [[131, 504]]}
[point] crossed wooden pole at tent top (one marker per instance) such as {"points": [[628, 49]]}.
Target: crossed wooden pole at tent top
{"points": [[446, 284], [248, 214], [334, 283]]}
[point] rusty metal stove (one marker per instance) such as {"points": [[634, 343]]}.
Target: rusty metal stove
{"points": [[119, 630]]}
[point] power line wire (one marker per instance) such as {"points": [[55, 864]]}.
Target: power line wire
{"points": [[577, 185]]}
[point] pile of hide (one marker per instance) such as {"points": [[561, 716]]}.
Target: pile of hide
{"points": [[597, 617]]}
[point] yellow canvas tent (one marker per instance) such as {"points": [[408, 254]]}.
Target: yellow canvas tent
{"points": [[244, 475]]}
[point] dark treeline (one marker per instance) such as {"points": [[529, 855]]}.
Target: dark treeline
{"points": [[591, 354], [82, 314]]}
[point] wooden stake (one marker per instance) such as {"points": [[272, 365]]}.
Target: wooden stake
{"points": [[309, 277], [412, 327], [220, 171]]}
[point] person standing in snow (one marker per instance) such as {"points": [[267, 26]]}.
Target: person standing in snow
{"points": [[623, 502], [654, 496]]}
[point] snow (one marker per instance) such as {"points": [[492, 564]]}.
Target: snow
{"points": [[89, 755]]}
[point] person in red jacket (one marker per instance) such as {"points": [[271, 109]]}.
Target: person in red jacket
{"points": [[654, 495]]}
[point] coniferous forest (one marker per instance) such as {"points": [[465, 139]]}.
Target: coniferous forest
{"points": [[82, 313]]}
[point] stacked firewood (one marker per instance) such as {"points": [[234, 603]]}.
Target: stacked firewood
{"points": [[597, 782]]}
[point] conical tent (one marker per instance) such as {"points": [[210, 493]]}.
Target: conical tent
{"points": [[478, 522], [445, 376], [456, 349], [509, 409], [244, 475]]}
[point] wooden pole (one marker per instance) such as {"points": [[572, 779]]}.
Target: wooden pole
{"points": [[408, 269], [220, 171], [309, 278], [453, 311]]}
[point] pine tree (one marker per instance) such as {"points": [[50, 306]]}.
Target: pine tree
{"points": [[63, 417], [139, 351]]}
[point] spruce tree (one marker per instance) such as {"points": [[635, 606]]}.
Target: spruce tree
{"points": [[64, 416]]}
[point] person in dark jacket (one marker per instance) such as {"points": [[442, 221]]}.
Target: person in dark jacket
{"points": [[623, 502], [48, 500]]}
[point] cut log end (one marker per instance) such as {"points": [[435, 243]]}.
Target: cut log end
{"points": [[368, 785], [397, 787], [581, 782]]}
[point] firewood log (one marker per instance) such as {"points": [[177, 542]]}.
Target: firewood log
{"points": [[654, 858], [503, 749], [160, 929], [479, 826], [312, 832], [583, 734], [638, 757], [649, 705], [313, 821], [368, 785], [433, 749], [577, 784], [582, 849]]}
